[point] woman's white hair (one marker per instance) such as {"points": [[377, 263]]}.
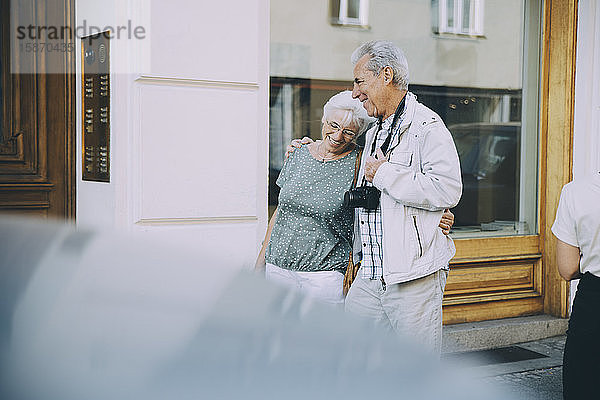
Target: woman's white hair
{"points": [[383, 54], [355, 112]]}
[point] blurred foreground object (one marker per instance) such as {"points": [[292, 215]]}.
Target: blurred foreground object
{"points": [[93, 315]]}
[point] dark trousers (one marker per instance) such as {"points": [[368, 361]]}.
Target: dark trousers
{"points": [[581, 359]]}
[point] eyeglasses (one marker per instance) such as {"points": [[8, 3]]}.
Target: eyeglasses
{"points": [[336, 127]]}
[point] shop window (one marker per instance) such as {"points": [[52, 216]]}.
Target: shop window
{"points": [[486, 126], [349, 12], [457, 17], [487, 93]]}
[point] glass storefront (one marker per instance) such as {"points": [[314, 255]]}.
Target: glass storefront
{"points": [[476, 63]]}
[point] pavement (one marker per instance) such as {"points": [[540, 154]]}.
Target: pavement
{"points": [[529, 370], [542, 384]]}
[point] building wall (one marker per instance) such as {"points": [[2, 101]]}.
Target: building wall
{"points": [[434, 60], [586, 135], [189, 140]]}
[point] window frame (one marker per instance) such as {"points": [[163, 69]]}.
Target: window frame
{"points": [[342, 18], [550, 292], [476, 18]]}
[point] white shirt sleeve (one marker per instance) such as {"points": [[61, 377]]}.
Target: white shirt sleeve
{"points": [[564, 227]]}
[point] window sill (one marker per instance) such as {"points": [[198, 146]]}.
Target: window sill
{"points": [[349, 24], [458, 36]]}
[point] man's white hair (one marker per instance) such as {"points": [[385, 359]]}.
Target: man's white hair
{"points": [[355, 112], [382, 54]]}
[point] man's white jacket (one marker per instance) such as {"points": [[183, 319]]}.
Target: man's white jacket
{"points": [[420, 179]]}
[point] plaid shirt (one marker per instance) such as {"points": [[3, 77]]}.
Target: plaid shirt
{"points": [[371, 229]]}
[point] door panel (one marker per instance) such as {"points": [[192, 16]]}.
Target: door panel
{"points": [[37, 121]]}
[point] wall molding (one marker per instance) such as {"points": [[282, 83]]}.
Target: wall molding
{"points": [[171, 81]]}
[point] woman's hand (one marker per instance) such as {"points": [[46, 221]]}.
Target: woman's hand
{"points": [[296, 144], [447, 221]]}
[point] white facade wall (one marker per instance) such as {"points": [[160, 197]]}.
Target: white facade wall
{"points": [[586, 135], [189, 124]]}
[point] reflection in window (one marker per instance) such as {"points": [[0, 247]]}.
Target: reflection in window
{"points": [[466, 13], [449, 13], [353, 9], [485, 125], [458, 17], [349, 12], [483, 90]]}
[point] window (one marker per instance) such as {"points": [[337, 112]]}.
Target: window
{"points": [[349, 12], [485, 91], [458, 17]]}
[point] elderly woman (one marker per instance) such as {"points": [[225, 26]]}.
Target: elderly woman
{"points": [[308, 241]]}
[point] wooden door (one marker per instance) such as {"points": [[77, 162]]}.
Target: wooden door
{"points": [[37, 117]]}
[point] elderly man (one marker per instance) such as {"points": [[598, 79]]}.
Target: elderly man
{"points": [[411, 159]]}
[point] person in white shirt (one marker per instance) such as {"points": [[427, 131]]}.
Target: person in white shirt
{"points": [[577, 228]]}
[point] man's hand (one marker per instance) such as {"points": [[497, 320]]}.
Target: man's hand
{"points": [[372, 164], [447, 221], [296, 144]]}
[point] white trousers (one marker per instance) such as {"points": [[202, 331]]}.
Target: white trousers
{"points": [[412, 309], [321, 285]]}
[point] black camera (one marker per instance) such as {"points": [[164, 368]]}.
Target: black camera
{"points": [[364, 196]]}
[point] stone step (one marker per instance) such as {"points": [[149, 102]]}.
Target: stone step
{"points": [[500, 332]]}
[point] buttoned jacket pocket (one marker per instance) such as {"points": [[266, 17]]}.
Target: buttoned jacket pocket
{"points": [[402, 158]]}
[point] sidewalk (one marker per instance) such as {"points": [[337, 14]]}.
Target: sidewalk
{"points": [[530, 370]]}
